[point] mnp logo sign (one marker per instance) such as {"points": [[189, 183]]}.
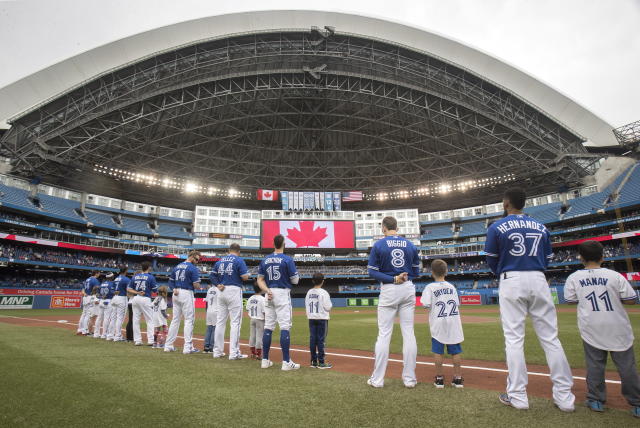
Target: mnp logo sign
{"points": [[16, 302]]}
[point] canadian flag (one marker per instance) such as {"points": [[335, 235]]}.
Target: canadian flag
{"points": [[267, 195], [309, 234]]}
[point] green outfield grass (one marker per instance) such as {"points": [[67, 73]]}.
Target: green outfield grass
{"points": [[53, 378], [353, 328]]}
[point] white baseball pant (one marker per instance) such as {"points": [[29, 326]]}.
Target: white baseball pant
{"points": [[396, 300], [522, 293], [98, 324], [278, 309], [108, 317], [256, 331], [229, 306], [141, 305], [183, 307], [119, 307], [83, 324]]}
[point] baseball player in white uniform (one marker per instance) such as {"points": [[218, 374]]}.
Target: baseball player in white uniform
{"points": [[231, 271], [604, 326], [103, 294], [212, 315], [142, 285], [317, 305], [518, 249], [276, 274], [441, 298], [394, 262], [109, 313], [87, 304], [255, 310], [184, 278], [119, 304]]}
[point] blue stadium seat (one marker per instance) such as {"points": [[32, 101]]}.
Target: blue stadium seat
{"points": [[547, 213], [437, 232], [61, 207], [170, 230], [473, 228], [137, 226], [101, 220]]}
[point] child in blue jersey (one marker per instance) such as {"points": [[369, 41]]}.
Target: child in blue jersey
{"points": [[184, 278], [230, 271], [142, 285], [276, 274], [518, 249], [394, 261]]}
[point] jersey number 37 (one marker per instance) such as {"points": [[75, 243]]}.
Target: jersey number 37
{"points": [[521, 243]]}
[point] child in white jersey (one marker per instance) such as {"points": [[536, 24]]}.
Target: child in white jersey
{"points": [[94, 303], [317, 305], [211, 317], [604, 326], [255, 309], [160, 317], [441, 298]]}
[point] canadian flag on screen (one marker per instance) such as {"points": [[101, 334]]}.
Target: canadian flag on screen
{"points": [[309, 234], [267, 195]]}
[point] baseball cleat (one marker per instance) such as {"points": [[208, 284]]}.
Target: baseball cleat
{"points": [[565, 409], [325, 365], [265, 364], [219, 355], [239, 357], [207, 351], [370, 383], [457, 382], [439, 382], [289, 365], [595, 405], [138, 344], [635, 412], [169, 349], [191, 351], [410, 385], [120, 340], [506, 400], [314, 364]]}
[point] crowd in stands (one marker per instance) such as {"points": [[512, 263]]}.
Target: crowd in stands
{"points": [[76, 258], [41, 281]]}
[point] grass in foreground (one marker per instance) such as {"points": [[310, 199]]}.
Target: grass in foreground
{"points": [[51, 378], [356, 329]]}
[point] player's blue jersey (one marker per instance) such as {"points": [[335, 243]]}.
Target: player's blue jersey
{"points": [[517, 243], [391, 256], [184, 275], [278, 270], [107, 289], [229, 270], [144, 282], [89, 283], [121, 283]]}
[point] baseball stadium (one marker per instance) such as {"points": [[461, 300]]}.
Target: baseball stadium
{"points": [[166, 178]]}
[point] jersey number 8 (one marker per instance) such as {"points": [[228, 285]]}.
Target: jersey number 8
{"points": [[397, 258]]}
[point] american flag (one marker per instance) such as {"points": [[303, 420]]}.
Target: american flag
{"points": [[351, 196]]}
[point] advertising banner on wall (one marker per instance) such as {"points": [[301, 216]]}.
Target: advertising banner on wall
{"points": [[16, 302], [65, 302]]}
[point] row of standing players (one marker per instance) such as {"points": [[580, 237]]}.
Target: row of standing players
{"points": [[518, 249], [276, 275]]}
